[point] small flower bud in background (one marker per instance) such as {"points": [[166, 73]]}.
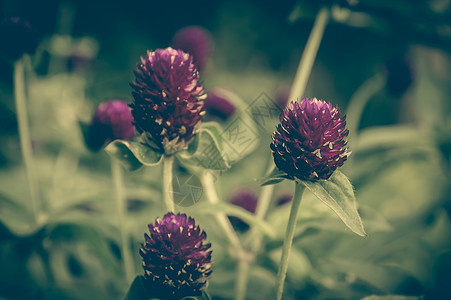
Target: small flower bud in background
{"points": [[112, 120], [310, 141], [284, 199], [176, 261], [167, 109], [196, 41], [399, 75], [246, 199], [17, 37], [282, 95], [217, 105]]}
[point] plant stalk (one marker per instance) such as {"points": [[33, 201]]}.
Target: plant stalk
{"points": [[24, 135], [288, 241], [168, 196], [212, 197], [242, 279], [121, 205], [224, 222], [309, 54]]}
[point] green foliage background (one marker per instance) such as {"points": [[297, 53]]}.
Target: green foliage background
{"points": [[400, 166]]}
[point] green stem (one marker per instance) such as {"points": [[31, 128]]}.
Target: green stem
{"points": [[242, 257], [24, 135], [242, 279], [168, 196], [288, 241], [212, 197], [118, 181], [309, 54]]}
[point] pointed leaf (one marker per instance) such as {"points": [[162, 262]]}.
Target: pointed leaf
{"points": [[337, 193], [133, 155], [274, 177], [206, 152], [137, 291]]}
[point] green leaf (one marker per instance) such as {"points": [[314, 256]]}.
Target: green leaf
{"points": [[337, 193], [137, 291], [274, 177], [133, 155], [205, 150], [239, 212], [214, 130]]}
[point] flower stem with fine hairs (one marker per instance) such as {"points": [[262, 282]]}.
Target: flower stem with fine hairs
{"points": [[168, 163], [118, 181], [24, 135], [288, 240]]}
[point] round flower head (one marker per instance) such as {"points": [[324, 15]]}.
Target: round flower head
{"points": [[112, 120], [247, 200], [309, 143], [167, 109], [17, 37], [176, 261], [196, 41], [217, 105]]}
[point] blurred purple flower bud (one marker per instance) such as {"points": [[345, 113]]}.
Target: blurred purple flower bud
{"points": [[284, 199], [196, 41], [112, 120], [217, 105], [246, 199]]}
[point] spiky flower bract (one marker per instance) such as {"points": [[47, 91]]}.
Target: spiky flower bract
{"points": [[176, 261], [196, 41], [112, 120], [167, 109], [310, 141]]}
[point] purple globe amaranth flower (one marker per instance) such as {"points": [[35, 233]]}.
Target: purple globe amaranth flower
{"points": [[176, 261], [196, 41], [167, 107], [112, 120], [246, 199], [17, 37], [310, 141], [218, 105]]}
